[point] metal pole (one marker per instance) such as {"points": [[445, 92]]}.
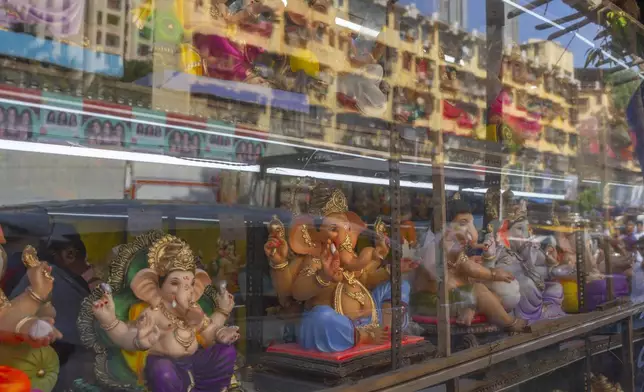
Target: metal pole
{"points": [[494, 57], [580, 253], [255, 258], [396, 237], [628, 369], [396, 253], [438, 183], [606, 204], [172, 224], [443, 327], [588, 365]]}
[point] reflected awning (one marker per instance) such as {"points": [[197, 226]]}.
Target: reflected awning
{"points": [[64, 55], [238, 91]]}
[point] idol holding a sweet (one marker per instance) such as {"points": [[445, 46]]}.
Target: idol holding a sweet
{"points": [[30, 316]]}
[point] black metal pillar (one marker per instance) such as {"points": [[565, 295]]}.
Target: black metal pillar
{"points": [[580, 250], [588, 371], [255, 262], [172, 224], [453, 385], [396, 237], [605, 178], [628, 368], [396, 257], [495, 23], [438, 183]]}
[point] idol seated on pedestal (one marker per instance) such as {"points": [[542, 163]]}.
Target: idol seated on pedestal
{"points": [[516, 251], [470, 298], [343, 295], [159, 325], [346, 295]]}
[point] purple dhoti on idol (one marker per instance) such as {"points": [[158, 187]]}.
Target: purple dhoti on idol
{"points": [[206, 370]]}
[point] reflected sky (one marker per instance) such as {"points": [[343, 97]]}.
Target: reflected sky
{"points": [[557, 9]]}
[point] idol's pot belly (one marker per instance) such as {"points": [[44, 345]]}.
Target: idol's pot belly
{"points": [[351, 307], [168, 346], [508, 293]]}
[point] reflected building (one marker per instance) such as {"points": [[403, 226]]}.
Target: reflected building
{"points": [[106, 25], [511, 27], [452, 12], [433, 78]]}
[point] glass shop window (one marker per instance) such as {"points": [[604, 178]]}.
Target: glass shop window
{"points": [[213, 196]]}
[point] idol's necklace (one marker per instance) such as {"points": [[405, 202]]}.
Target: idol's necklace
{"points": [[179, 324]]}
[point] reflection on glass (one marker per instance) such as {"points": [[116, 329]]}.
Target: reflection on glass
{"points": [[291, 195]]}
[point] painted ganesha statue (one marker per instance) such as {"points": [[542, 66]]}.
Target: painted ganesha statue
{"points": [[345, 294], [27, 326], [539, 295], [159, 325], [468, 281]]}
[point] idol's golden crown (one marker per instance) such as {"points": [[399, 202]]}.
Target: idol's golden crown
{"points": [[492, 201], [518, 212], [171, 254], [326, 200]]}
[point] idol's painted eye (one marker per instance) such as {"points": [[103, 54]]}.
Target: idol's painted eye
{"points": [[174, 282]]}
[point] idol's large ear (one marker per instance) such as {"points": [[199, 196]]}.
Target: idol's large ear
{"points": [[145, 285], [201, 281], [357, 226], [303, 237]]}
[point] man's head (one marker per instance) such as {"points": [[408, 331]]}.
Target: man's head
{"points": [[630, 225], [68, 253], [640, 226], [461, 219], [65, 247]]}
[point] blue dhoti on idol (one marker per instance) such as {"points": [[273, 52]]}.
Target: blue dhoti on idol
{"points": [[323, 329]]}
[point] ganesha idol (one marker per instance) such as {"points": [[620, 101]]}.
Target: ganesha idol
{"points": [[346, 295], [468, 280], [162, 330], [26, 325], [539, 294]]}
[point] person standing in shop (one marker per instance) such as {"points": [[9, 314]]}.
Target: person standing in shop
{"points": [[639, 231]]}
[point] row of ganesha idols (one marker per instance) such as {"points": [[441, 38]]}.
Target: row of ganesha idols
{"points": [[157, 325], [344, 295], [516, 276]]}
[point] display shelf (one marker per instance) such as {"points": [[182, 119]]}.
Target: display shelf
{"points": [[298, 368], [564, 355], [440, 370]]}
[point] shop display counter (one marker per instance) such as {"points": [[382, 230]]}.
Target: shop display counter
{"points": [[462, 336], [286, 366]]}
